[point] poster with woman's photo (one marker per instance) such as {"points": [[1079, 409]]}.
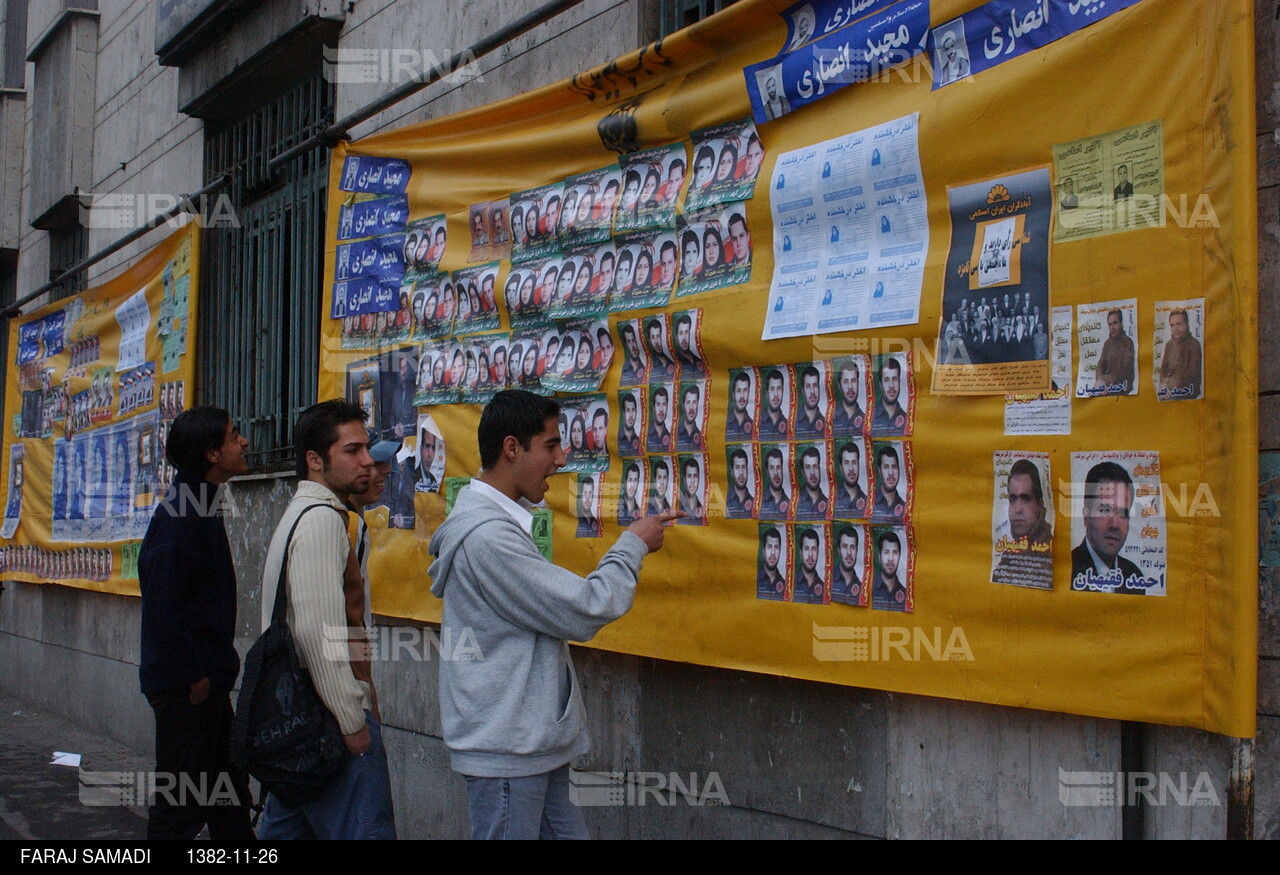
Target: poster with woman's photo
{"points": [[1022, 520], [584, 429], [538, 210], [715, 250], [645, 274], [477, 298], [1118, 523], [726, 164], [577, 292], [526, 305], [651, 183], [486, 367], [1179, 350], [526, 359], [587, 211], [576, 367], [424, 244]]}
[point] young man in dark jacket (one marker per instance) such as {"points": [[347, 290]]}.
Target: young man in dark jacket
{"points": [[189, 661]]}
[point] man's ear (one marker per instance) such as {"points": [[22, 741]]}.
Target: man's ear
{"points": [[314, 461], [511, 448], [212, 456]]}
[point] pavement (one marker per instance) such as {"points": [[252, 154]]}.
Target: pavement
{"points": [[41, 801]]}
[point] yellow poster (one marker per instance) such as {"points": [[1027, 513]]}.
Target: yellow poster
{"points": [[94, 382], [848, 517]]}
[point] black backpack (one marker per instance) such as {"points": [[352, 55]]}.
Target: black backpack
{"points": [[283, 734]]}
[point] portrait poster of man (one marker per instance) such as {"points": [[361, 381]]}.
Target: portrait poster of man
{"points": [[481, 233], [1022, 520], [646, 271], [999, 246], [1179, 350], [1107, 337], [691, 416], [398, 375], [736, 154], [801, 25], [849, 555], [633, 495], [895, 394], [500, 229], [740, 422], [893, 563], [589, 493], [851, 391], [851, 461], [692, 495], [893, 477], [1110, 183], [651, 184], [1118, 527], [635, 358], [812, 568], [813, 401], [539, 212], [774, 422], [813, 482], [657, 341], [662, 402], [662, 491], [687, 327], [427, 444], [631, 422], [950, 53], [778, 489], [143, 441], [742, 467], [773, 563]]}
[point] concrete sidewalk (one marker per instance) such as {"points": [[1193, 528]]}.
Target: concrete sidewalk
{"points": [[42, 801]]}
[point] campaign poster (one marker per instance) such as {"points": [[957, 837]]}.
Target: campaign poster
{"points": [[589, 494], [996, 282], [740, 423], [849, 558], [773, 581], [1178, 346], [1046, 412], [692, 498], [632, 497], [893, 560], [1022, 520], [743, 470], [1107, 334], [1118, 523]]}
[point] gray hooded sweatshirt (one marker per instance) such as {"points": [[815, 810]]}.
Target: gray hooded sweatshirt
{"points": [[515, 709]]}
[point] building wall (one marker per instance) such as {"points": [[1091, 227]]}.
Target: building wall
{"points": [[792, 759]]}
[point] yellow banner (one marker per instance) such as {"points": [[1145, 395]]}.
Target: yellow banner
{"points": [[94, 381], [626, 239]]}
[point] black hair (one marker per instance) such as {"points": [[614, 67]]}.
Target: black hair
{"points": [[194, 433], [317, 429], [512, 413]]}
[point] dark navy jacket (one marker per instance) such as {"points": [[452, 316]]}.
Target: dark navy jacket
{"points": [[188, 585]]}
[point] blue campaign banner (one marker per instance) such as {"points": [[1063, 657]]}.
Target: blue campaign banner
{"points": [[377, 257], [374, 175], [29, 341], [364, 295], [384, 215], [813, 19], [1004, 29], [51, 333], [854, 54]]}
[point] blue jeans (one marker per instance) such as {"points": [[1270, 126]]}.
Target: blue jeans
{"points": [[356, 806], [536, 807]]}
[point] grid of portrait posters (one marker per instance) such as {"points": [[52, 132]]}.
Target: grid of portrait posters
{"points": [[817, 453]]}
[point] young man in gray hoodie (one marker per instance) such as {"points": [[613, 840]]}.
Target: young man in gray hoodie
{"points": [[513, 716]]}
